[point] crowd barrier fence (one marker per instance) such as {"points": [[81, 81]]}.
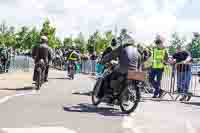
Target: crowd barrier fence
{"points": [[171, 79], [181, 79], [20, 63]]}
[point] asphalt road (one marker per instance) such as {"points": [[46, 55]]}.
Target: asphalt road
{"points": [[59, 107]]}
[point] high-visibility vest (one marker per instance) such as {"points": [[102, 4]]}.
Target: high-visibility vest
{"points": [[72, 56], [158, 58]]}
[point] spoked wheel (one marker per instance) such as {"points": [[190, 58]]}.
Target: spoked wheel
{"points": [[130, 98], [95, 100], [72, 73], [39, 77]]}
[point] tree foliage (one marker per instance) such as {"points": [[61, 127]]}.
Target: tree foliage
{"points": [[194, 48], [68, 41], [50, 32], [176, 40]]}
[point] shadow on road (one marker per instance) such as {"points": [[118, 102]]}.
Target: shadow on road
{"points": [[19, 89], [193, 103], [88, 108], [156, 99], [83, 93], [64, 78]]}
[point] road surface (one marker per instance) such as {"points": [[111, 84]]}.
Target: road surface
{"points": [[63, 106]]}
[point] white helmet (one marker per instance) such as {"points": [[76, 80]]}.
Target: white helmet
{"points": [[44, 38]]}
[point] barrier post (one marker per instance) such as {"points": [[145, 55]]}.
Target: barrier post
{"points": [[168, 74]]}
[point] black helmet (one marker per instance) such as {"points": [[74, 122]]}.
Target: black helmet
{"points": [[114, 42], [124, 31], [196, 34]]}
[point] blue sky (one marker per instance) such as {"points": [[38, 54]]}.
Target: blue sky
{"points": [[144, 18]]}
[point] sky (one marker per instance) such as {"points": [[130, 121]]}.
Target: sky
{"points": [[144, 18]]}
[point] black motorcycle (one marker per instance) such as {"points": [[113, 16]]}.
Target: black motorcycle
{"points": [[127, 91], [71, 70], [40, 72]]}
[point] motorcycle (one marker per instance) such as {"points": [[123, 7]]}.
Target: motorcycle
{"points": [[71, 70], [126, 91], [40, 67]]}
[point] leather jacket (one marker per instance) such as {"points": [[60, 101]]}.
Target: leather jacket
{"points": [[42, 52], [129, 58]]}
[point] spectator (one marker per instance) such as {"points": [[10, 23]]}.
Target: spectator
{"points": [[84, 60], [159, 57], [182, 58], [93, 58]]}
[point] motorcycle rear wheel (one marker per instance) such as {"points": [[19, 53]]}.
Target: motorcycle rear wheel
{"points": [[39, 79]]}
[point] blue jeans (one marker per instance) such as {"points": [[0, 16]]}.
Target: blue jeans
{"points": [[93, 65], [155, 77], [183, 81]]}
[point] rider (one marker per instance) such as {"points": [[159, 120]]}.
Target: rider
{"points": [[73, 56], [42, 52], [109, 49], [129, 58]]}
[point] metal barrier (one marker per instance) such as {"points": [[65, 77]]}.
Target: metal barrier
{"points": [[181, 79], [186, 81], [21, 63], [88, 67], [171, 79]]}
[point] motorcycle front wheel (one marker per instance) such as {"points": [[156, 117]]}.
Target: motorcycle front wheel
{"points": [[129, 99]]}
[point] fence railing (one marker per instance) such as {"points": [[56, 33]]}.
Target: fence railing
{"points": [[172, 79], [181, 79], [20, 63]]}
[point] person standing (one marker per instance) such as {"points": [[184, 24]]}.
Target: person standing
{"points": [[182, 58], [93, 58], [159, 58]]}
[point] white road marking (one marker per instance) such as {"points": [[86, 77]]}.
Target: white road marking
{"points": [[189, 127], [38, 130], [6, 98], [135, 125], [128, 123]]}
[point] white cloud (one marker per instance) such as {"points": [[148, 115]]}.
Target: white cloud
{"points": [[144, 17]]}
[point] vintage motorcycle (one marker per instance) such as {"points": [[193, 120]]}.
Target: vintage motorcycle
{"points": [[40, 72], [71, 70], [126, 92]]}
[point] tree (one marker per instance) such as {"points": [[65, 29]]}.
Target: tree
{"points": [[3, 27], [50, 32], [80, 43], [57, 43], [3, 33], [175, 41], [68, 42], [194, 48], [91, 43], [21, 37], [32, 38], [109, 36]]}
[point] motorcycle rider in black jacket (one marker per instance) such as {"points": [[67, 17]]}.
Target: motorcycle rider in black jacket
{"points": [[42, 52], [129, 59]]}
